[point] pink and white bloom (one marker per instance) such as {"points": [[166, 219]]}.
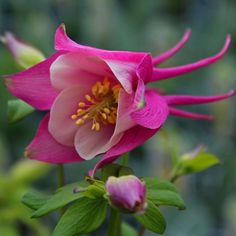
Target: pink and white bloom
{"points": [[127, 193], [98, 101]]}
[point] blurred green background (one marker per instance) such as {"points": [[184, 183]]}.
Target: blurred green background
{"points": [[139, 25]]}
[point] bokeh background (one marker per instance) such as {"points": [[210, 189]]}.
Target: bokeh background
{"points": [[152, 26]]}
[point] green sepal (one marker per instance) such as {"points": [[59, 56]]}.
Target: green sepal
{"points": [[85, 216], [152, 219]]}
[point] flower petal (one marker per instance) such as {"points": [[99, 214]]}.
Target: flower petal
{"points": [[171, 52], [188, 100], [45, 148], [165, 73], [131, 139], [154, 113], [76, 68], [33, 85], [190, 115], [61, 125], [90, 143]]}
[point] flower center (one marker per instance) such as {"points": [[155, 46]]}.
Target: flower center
{"points": [[100, 106]]}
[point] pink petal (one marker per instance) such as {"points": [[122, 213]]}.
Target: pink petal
{"points": [[165, 73], [190, 115], [171, 52], [124, 120], [90, 143], [61, 126], [45, 148], [77, 68], [33, 85], [155, 112], [188, 100], [132, 138]]}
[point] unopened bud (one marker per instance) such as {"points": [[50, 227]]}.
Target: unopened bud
{"points": [[127, 193], [25, 55]]}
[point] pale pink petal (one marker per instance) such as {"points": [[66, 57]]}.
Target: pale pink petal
{"points": [[190, 115], [124, 120], [33, 85], [124, 72], [131, 139], [171, 52], [76, 68], [128, 72], [45, 148], [154, 113], [188, 100], [165, 73], [90, 143], [61, 126]]}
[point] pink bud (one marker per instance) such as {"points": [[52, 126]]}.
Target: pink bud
{"points": [[24, 54], [127, 193]]}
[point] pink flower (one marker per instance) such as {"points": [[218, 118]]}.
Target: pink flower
{"points": [[98, 102], [127, 193]]}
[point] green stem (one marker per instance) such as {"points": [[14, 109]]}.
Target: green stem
{"points": [[61, 182], [125, 159], [114, 226]]}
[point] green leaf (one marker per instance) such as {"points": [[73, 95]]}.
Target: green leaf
{"points": [[128, 230], [152, 219], [35, 199], [196, 161], [17, 110], [83, 217], [62, 197], [163, 192]]}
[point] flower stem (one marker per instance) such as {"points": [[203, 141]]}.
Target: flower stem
{"points": [[61, 182], [114, 227], [125, 159]]}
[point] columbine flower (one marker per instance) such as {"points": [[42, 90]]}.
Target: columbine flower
{"points": [[24, 54], [98, 101], [127, 193]]}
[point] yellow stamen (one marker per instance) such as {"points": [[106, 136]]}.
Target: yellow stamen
{"points": [[82, 104], [106, 110], [80, 122], [104, 116], [74, 117], [102, 107], [97, 126]]}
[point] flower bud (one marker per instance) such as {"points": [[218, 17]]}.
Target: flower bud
{"points": [[127, 193], [25, 55]]}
